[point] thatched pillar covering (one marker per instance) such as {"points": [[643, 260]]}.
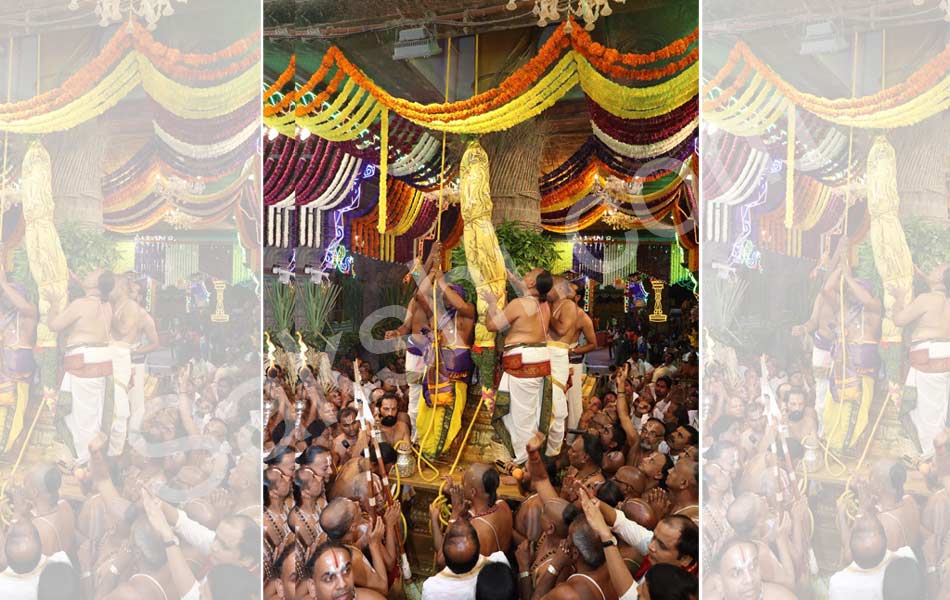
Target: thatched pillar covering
{"points": [[77, 157], [515, 157]]}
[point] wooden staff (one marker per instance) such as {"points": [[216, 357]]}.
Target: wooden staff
{"points": [[358, 397], [404, 560]]}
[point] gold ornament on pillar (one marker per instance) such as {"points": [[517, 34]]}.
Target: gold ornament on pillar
{"points": [[45, 253], [486, 265], [588, 11], [219, 316], [657, 316], [891, 253]]}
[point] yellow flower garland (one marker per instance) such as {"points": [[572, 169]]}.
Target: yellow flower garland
{"points": [[131, 72], [342, 120]]}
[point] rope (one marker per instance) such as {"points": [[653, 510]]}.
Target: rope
{"points": [[6, 140], [435, 285]]}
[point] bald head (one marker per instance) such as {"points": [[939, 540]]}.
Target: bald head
{"points": [[482, 480], [44, 479], [631, 480], [868, 542], [23, 548], [337, 518], [553, 516], [460, 546], [640, 512], [743, 514]]}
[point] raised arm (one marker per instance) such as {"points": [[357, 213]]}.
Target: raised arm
{"points": [[498, 320], [863, 296], [58, 321], [22, 305], [453, 299]]}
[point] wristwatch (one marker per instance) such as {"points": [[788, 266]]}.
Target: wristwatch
{"points": [[611, 542]]}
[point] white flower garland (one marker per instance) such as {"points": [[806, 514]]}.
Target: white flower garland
{"points": [[206, 150], [646, 150]]}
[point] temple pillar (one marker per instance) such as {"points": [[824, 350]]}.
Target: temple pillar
{"points": [[77, 158], [515, 157]]}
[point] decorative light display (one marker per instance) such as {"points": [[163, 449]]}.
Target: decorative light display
{"points": [[341, 260], [744, 251], [657, 316], [589, 295], [333, 258], [219, 316]]}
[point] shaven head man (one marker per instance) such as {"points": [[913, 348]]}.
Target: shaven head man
{"points": [[492, 519], [23, 549]]}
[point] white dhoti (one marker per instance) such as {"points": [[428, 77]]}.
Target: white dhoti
{"points": [[525, 394], [930, 375], [122, 379], [137, 397], [560, 373], [87, 372], [575, 396], [415, 377], [821, 361]]}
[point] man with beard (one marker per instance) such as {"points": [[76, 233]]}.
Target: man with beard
{"points": [[393, 430], [802, 422], [352, 440], [332, 576], [740, 576]]}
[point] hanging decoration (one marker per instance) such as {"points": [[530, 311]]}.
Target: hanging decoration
{"points": [[538, 85], [132, 59], [765, 97], [110, 11]]}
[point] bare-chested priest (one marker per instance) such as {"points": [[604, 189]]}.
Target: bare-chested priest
{"points": [[563, 330], [134, 336], [18, 323], [929, 374], [85, 324], [525, 361], [416, 325]]}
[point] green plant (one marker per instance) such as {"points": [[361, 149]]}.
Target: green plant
{"points": [[283, 301], [85, 249], [352, 301], [319, 302], [523, 248]]}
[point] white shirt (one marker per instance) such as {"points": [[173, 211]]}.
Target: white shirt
{"points": [[446, 585], [867, 584], [15, 586], [194, 534]]}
